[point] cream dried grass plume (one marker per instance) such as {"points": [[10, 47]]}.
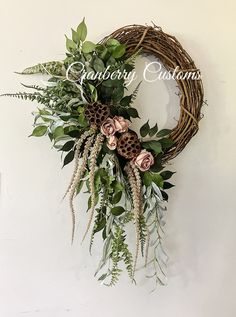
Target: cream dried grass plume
{"points": [[78, 146], [77, 177], [92, 165], [139, 185]]}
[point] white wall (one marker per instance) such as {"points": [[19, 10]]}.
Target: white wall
{"points": [[40, 273]]}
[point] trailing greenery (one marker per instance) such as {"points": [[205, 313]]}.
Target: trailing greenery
{"points": [[117, 196]]}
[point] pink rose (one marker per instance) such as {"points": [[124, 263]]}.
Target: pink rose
{"points": [[144, 160], [121, 124], [108, 127], [112, 142]]}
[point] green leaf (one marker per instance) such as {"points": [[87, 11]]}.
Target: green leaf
{"points": [[153, 145], [102, 52], [112, 42], [133, 112], [75, 36], [163, 132], [70, 45], [116, 198], [90, 201], [102, 277], [123, 113], [58, 132], [100, 225], [39, 131], [68, 158], [164, 195], [104, 233], [79, 187], [166, 174], [82, 31], [119, 51], [93, 91], [118, 93], [74, 133], [167, 185], [147, 178], [111, 61], [157, 166], [88, 47], [153, 130], [166, 143], [109, 83], [97, 178], [68, 146], [117, 186], [157, 179], [82, 121], [98, 65], [125, 102], [145, 129], [117, 211]]}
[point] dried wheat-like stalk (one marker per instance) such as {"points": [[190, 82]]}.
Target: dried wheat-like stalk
{"points": [[92, 165], [78, 145], [139, 185], [136, 208], [78, 175]]}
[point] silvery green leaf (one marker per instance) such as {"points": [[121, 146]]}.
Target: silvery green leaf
{"points": [[102, 277], [105, 255], [73, 120], [157, 191], [148, 192], [109, 224], [82, 92], [161, 257], [49, 117], [73, 101], [48, 83]]}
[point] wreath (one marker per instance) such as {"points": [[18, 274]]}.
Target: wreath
{"points": [[87, 114]]}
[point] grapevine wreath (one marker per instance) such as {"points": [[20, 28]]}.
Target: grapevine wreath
{"points": [[89, 120]]}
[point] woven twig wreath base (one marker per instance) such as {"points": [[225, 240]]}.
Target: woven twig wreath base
{"points": [[167, 49]]}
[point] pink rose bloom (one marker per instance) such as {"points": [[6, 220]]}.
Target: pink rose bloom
{"points": [[108, 127], [144, 160], [121, 124], [112, 142]]}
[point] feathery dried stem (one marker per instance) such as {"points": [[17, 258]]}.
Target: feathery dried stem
{"points": [[139, 185], [78, 145], [79, 174], [94, 153]]}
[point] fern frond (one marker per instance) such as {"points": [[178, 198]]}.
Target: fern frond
{"points": [[120, 252], [128, 260], [35, 96], [135, 93], [115, 274], [23, 95], [35, 87]]}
